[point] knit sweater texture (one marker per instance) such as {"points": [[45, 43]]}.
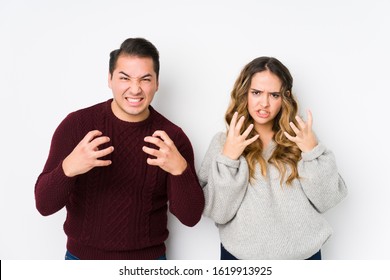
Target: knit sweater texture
{"points": [[264, 219], [118, 211]]}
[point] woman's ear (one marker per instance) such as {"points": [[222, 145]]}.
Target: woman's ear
{"points": [[288, 93]]}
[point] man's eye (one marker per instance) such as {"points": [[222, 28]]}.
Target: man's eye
{"points": [[123, 78]]}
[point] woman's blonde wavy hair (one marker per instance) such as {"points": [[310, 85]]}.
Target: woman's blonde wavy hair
{"points": [[286, 153]]}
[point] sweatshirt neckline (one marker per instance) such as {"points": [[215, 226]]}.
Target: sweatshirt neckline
{"points": [[267, 152], [126, 123]]}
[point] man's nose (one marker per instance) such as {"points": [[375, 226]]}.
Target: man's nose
{"points": [[135, 87]]}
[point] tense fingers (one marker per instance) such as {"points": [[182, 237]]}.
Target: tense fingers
{"points": [[166, 156], [239, 125], [289, 137], [309, 119], [151, 151], [155, 140], [236, 142], [164, 136], [247, 131], [233, 123], [91, 135], [294, 128], [101, 163], [304, 136], [95, 143], [251, 140], [300, 122], [86, 155], [104, 152]]}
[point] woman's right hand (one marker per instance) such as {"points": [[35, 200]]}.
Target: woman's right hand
{"points": [[235, 142]]}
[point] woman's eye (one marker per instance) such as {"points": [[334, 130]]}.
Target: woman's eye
{"points": [[255, 92], [275, 95]]}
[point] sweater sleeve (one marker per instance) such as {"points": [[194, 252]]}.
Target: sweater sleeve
{"points": [[53, 187], [320, 179], [186, 200], [224, 182]]}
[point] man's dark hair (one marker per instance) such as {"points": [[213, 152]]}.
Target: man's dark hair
{"points": [[137, 47]]}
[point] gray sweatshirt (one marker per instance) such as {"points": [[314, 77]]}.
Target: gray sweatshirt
{"points": [[266, 220]]}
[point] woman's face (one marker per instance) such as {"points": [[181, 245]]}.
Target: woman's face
{"points": [[264, 99]]}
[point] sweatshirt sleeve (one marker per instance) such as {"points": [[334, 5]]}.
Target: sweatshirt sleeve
{"points": [[224, 182], [53, 187], [320, 179], [186, 200]]}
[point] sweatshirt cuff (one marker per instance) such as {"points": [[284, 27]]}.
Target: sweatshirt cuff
{"points": [[63, 180], [183, 178], [228, 161], [315, 153]]}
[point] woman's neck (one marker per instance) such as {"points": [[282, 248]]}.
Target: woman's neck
{"points": [[266, 134]]}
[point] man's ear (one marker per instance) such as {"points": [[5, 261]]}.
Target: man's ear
{"points": [[109, 80]]}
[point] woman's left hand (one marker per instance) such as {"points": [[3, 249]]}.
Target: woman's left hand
{"points": [[304, 135]]}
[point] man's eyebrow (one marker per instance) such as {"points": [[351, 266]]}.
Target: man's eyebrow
{"points": [[146, 76], [121, 72], [142, 77]]}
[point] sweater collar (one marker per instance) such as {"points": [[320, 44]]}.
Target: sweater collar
{"points": [[114, 118], [267, 152]]}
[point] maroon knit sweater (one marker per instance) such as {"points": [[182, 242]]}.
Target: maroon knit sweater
{"points": [[119, 211]]}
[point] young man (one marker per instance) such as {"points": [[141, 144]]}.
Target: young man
{"points": [[115, 166]]}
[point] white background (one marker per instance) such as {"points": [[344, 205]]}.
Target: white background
{"points": [[54, 60]]}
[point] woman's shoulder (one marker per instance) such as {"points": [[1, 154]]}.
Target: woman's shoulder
{"points": [[219, 137]]}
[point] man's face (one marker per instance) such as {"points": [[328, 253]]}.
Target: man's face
{"points": [[133, 84]]}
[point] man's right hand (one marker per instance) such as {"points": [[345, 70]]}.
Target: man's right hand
{"points": [[86, 154]]}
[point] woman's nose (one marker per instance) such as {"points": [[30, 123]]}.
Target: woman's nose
{"points": [[264, 100]]}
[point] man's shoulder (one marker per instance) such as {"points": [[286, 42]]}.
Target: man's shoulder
{"points": [[87, 116], [90, 110], [94, 108], [163, 123]]}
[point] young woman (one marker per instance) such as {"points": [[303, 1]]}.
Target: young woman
{"points": [[268, 180]]}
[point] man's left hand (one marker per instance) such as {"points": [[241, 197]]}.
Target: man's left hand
{"points": [[167, 157]]}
